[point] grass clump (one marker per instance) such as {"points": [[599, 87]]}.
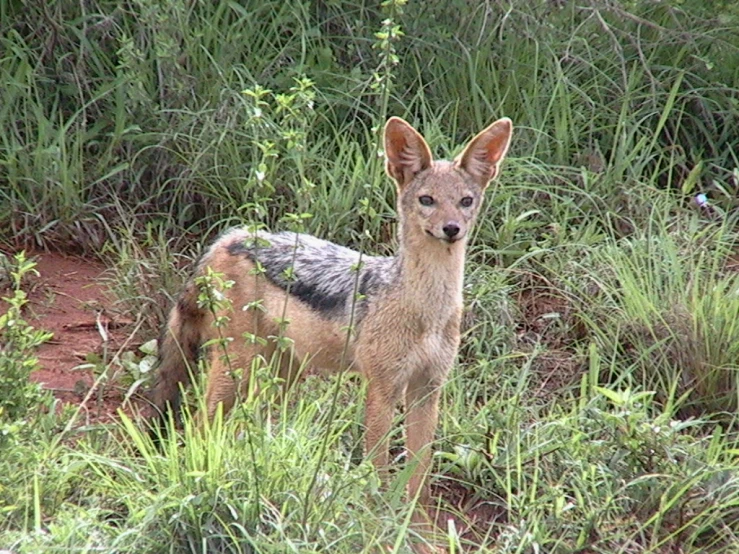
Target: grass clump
{"points": [[245, 484], [664, 303], [610, 471]]}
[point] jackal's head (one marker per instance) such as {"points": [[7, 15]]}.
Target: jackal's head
{"points": [[440, 199]]}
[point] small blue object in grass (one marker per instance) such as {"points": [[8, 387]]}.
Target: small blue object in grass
{"points": [[701, 199]]}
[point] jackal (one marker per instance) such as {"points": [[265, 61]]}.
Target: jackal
{"points": [[402, 313]]}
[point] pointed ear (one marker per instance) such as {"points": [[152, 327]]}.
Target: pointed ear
{"points": [[405, 150], [482, 156]]}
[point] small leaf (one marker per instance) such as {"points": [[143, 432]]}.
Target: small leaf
{"points": [[692, 179], [146, 365], [150, 348], [615, 397]]}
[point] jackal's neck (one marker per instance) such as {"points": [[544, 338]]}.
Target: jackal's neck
{"points": [[431, 273]]}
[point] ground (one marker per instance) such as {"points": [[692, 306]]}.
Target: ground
{"points": [[69, 298]]}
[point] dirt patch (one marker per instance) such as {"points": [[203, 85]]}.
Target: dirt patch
{"points": [[547, 321], [732, 263], [476, 519], [69, 299]]}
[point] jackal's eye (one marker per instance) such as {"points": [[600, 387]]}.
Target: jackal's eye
{"points": [[426, 200], [466, 202]]}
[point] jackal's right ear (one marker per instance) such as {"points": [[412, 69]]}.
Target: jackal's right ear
{"points": [[406, 152]]}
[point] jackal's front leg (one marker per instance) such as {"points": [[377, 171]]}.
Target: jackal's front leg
{"points": [[422, 411], [382, 398]]}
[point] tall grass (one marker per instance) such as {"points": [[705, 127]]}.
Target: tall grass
{"points": [[666, 303], [144, 108]]}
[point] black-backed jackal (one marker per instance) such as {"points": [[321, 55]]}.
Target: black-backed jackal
{"points": [[402, 312]]}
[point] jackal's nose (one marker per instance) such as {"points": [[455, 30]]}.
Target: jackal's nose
{"points": [[451, 230]]}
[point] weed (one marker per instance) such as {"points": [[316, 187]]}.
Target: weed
{"points": [[18, 343]]}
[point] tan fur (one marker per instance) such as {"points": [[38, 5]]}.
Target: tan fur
{"points": [[410, 334]]}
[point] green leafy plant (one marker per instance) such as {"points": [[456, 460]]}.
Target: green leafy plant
{"points": [[18, 342]]}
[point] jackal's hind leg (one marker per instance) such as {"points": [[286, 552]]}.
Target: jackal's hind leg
{"points": [[229, 376]]}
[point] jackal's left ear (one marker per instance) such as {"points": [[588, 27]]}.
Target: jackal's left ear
{"points": [[482, 156], [406, 152]]}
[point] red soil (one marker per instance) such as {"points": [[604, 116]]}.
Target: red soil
{"points": [[69, 299]]}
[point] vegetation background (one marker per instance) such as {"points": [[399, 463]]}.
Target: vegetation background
{"points": [[593, 408]]}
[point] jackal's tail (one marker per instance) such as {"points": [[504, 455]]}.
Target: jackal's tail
{"points": [[178, 355]]}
